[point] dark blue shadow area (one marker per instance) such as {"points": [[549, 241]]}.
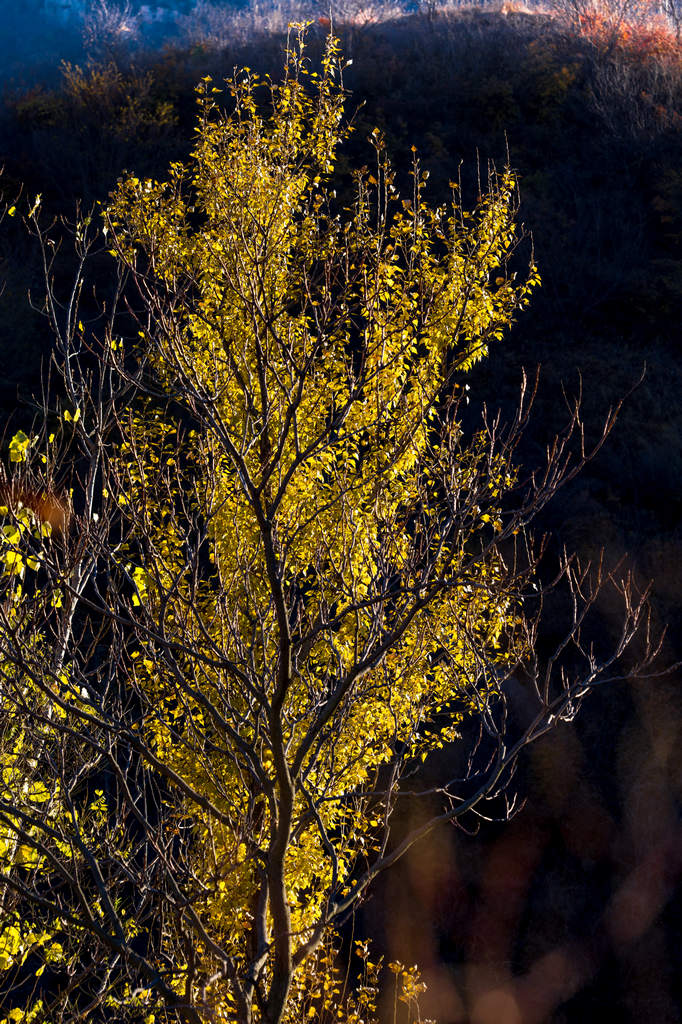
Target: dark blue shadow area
{"points": [[36, 36]]}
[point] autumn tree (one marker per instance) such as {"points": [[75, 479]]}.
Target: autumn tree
{"points": [[283, 576]]}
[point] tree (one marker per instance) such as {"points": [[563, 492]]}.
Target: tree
{"points": [[673, 12], [606, 19], [284, 577]]}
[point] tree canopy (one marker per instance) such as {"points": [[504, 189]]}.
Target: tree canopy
{"points": [[282, 576]]}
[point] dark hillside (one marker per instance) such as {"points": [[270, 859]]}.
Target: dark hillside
{"points": [[572, 912]]}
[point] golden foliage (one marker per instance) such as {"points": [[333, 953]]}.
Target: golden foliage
{"points": [[308, 586]]}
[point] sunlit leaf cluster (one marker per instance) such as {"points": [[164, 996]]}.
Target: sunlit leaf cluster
{"points": [[289, 590]]}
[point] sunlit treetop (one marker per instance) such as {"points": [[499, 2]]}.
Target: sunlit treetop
{"points": [[304, 593], [354, 589]]}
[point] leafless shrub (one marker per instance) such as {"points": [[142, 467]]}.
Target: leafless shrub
{"points": [[109, 30]]}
